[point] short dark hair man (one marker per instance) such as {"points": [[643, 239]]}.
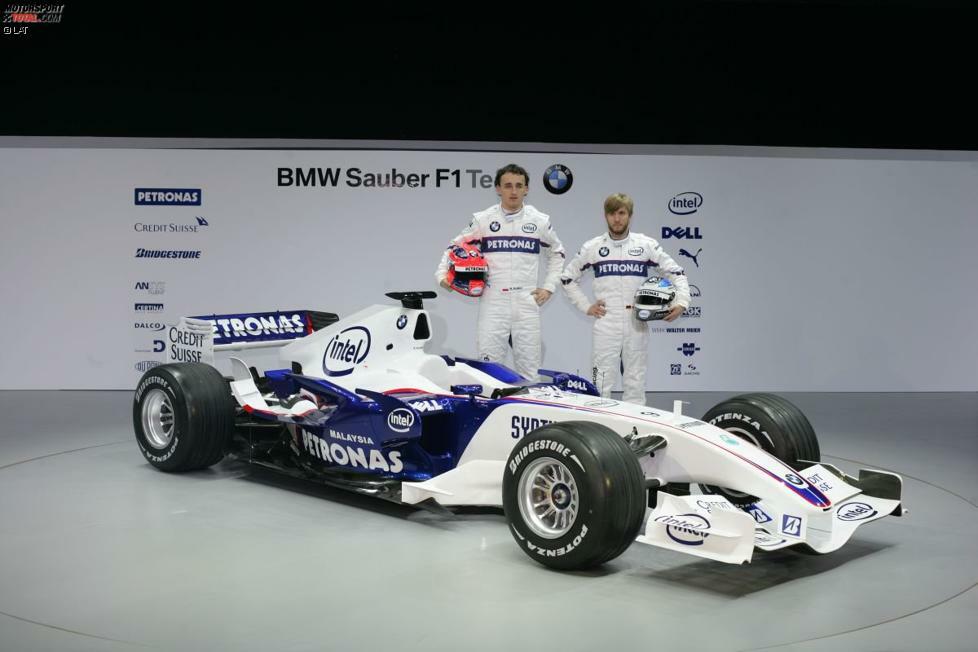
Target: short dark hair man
{"points": [[512, 236]]}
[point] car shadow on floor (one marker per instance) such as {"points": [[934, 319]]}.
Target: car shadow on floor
{"points": [[766, 570]]}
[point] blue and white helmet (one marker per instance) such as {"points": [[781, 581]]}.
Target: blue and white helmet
{"points": [[653, 299]]}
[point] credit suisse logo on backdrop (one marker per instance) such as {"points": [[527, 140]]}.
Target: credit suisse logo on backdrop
{"points": [[168, 196]]}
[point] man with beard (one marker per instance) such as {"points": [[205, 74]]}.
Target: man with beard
{"points": [[621, 262]]}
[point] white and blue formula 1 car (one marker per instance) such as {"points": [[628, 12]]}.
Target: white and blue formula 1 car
{"points": [[361, 405]]}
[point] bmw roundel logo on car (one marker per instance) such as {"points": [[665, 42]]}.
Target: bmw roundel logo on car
{"points": [[558, 179]]}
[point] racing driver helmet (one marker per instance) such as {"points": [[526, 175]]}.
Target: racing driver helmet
{"points": [[653, 299], [467, 270]]}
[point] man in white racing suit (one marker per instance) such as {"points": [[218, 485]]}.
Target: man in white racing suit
{"points": [[621, 261], [512, 236]]}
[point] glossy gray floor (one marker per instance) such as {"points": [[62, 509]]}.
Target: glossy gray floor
{"points": [[98, 551]]}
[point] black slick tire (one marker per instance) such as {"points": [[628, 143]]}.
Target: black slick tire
{"points": [[768, 421], [594, 470], [183, 416]]}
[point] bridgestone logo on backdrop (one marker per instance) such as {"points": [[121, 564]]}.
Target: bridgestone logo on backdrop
{"points": [[166, 253]]}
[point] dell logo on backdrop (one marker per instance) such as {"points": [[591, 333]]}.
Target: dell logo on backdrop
{"points": [[681, 232], [685, 203]]}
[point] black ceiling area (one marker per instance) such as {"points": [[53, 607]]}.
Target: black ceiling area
{"points": [[886, 74]]}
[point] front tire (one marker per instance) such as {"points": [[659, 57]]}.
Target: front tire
{"points": [[574, 495], [183, 416], [771, 423]]}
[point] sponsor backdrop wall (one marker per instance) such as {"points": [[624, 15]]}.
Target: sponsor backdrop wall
{"points": [[817, 274]]}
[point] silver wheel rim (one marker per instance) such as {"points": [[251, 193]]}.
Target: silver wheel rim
{"points": [[157, 419], [548, 498]]}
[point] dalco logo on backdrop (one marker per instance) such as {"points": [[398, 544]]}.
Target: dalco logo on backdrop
{"points": [[168, 196], [153, 326], [558, 179], [685, 203]]}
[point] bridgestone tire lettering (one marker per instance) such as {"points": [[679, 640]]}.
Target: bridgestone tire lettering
{"points": [[203, 415], [611, 493]]}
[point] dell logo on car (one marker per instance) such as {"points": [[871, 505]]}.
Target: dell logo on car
{"points": [[577, 385], [685, 203], [346, 350], [400, 420]]}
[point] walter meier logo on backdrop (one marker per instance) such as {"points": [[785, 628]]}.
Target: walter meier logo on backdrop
{"points": [[558, 179]]}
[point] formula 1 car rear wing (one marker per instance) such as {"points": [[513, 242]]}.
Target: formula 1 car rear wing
{"points": [[195, 339]]}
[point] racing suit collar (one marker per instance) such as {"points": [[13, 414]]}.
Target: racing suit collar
{"points": [[509, 217], [617, 243]]}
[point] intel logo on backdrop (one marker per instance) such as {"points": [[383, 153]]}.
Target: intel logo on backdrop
{"points": [[685, 203], [168, 196]]}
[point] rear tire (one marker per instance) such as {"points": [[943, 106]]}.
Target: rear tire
{"points": [[770, 422], [574, 495], [183, 416]]}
